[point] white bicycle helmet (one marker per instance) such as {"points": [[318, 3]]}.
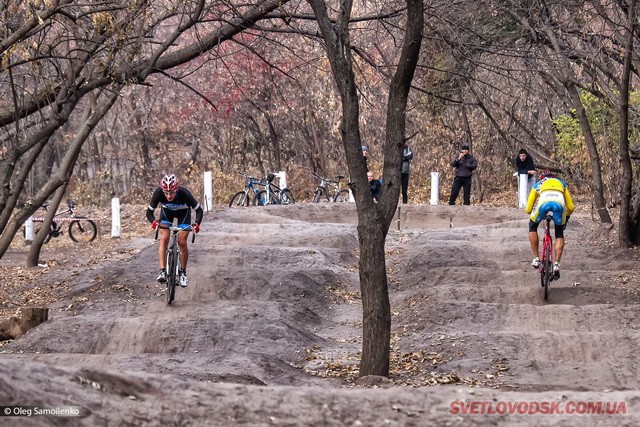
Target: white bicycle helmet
{"points": [[169, 183]]}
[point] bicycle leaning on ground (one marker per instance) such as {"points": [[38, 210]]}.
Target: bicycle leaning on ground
{"points": [[244, 197], [81, 229], [339, 195], [272, 194], [173, 257], [546, 262]]}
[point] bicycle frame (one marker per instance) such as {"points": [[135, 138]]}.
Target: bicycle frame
{"points": [[247, 194], [546, 262], [273, 194], [251, 188], [323, 188]]}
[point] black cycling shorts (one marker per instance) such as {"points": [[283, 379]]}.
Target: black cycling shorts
{"points": [[559, 229], [183, 215]]}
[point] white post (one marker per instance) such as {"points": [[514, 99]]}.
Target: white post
{"points": [[435, 182], [282, 175], [115, 217], [523, 187], [208, 191], [28, 230]]}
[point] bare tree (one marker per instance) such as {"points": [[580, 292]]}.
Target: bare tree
{"points": [[90, 47], [373, 219]]}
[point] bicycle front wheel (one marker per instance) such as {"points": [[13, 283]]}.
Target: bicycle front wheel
{"points": [[341, 196], [317, 195], [239, 199], [172, 272], [83, 230], [286, 198]]}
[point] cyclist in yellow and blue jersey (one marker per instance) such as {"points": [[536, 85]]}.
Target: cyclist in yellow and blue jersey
{"points": [[549, 195]]}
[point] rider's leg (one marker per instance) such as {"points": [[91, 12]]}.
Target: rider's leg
{"points": [[184, 249], [162, 247], [558, 218], [559, 248], [534, 240]]}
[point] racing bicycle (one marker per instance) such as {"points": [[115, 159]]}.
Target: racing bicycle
{"points": [[339, 195], [272, 194], [244, 197], [546, 262], [81, 229], [173, 258]]}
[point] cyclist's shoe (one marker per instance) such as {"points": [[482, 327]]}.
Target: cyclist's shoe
{"points": [[535, 263], [183, 281], [162, 277], [556, 270]]}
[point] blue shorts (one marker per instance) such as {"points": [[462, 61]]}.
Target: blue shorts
{"points": [[554, 208]]}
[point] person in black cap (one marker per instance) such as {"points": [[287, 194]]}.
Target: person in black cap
{"points": [[526, 166], [365, 151], [465, 164]]}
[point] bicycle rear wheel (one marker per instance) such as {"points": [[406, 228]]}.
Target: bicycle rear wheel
{"points": [[239, 199], [286, 198], [546, 274], [341, 196], [172, 272], [83, 230]]}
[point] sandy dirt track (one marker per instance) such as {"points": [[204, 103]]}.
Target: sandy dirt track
{"points": [[269, 331]]}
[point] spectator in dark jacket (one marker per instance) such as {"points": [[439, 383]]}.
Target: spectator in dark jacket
{"points": [[526, 166], [465, 164], [407, 156]]}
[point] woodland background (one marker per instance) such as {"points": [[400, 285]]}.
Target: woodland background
{"points": [[100, 100]]}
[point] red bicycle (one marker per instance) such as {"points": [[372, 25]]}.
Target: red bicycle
{"points": [[546, 262]]}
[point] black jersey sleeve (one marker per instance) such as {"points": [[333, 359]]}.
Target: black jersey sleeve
{"points": [[153, 204]]}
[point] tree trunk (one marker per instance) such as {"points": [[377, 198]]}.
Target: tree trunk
{"points": [[626, 227], [596, 169], [376, 309], [373, 219]]}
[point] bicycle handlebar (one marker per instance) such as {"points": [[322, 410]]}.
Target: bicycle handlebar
{"points": [[330, 181], [176, 230], [253, 179]]}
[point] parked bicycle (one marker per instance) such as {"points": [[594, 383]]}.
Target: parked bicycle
{"points": [[330, 189], [245, 197], [272, 194], [546, 262], [81, 229], [173, 258]]}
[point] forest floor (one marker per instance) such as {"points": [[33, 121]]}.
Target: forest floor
{"points": [[269, 330]]}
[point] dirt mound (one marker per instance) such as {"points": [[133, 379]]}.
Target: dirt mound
{"points": [[274, 309]]}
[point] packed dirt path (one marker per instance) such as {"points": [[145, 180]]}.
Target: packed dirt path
{"points": [[269, 330]]}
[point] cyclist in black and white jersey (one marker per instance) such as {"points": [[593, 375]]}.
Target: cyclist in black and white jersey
{"points": [[175, 202]]}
